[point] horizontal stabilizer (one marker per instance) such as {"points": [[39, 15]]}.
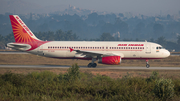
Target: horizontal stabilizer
{"points": [[19, 46]]}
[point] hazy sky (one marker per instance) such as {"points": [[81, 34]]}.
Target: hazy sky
{"points": [[147, 7]]}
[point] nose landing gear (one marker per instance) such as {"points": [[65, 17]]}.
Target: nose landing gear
{"points": [[147, 64]]}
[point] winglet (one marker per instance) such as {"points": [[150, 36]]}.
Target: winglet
{"points": [[71, 49]]}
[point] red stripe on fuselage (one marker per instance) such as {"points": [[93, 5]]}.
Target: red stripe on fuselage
{"points": [[91, 58], [90, 50]]}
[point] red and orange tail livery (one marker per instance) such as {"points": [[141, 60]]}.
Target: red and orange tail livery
{"points": [[25, 39], [22, 33]]}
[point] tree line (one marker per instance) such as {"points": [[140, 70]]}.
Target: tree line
{"points": [[93, 25]]}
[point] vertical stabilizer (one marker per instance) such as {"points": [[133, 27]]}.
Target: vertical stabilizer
{"points": [[25, 39], [21, 32]]}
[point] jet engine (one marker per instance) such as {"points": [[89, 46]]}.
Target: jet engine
{"points": [[111, 60]]}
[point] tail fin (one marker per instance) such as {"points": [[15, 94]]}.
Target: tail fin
{"points": [[21, 32]]}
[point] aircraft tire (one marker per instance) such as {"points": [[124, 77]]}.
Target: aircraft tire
{"points": [[94, 65], [90, 65], [147, 65]]}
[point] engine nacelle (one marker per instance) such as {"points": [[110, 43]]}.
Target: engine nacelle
{"points": [[111, 60]]}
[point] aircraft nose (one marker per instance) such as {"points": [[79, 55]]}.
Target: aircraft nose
{"points": [[167, 53]]}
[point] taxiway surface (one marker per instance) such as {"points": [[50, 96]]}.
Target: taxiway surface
{"points": [[98, 67]]}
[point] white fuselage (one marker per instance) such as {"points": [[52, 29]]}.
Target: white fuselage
{"points": [[127, 50], [105, 52]]}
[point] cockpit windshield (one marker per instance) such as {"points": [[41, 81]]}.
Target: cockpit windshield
{"points": [[159, 48]]}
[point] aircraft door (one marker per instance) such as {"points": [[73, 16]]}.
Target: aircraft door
{"points": [[40, 50], [148, 48]]}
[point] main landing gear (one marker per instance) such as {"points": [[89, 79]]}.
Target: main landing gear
{"points": [[92, 64], [147, 64]]}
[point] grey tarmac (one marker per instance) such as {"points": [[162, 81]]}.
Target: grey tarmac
{"points": [[98, 67]]}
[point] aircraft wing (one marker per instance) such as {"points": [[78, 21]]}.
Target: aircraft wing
{"points": [[98, 54]]}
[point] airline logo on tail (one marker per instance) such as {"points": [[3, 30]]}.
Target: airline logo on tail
{"points": [[23, 34], [21, 31]]}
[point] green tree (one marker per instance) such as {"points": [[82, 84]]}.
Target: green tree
{"points": [[107, 37], [1, 38], [158, 30], [9, 38], [168, 17], [120, 26], [65, 36], [164, 89], [162, 41], [178, 41], [138, 30]]}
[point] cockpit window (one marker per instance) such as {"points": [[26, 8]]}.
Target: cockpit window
{"points": [[159, 48]]}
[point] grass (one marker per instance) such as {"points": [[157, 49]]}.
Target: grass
{"points": [[113, 73], [77, 85]]}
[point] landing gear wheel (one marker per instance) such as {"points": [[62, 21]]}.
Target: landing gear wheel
{"points": [[147, 65], [89, 65], [92, 65]]}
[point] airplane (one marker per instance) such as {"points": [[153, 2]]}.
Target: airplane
{"points": [[105, 52]]}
